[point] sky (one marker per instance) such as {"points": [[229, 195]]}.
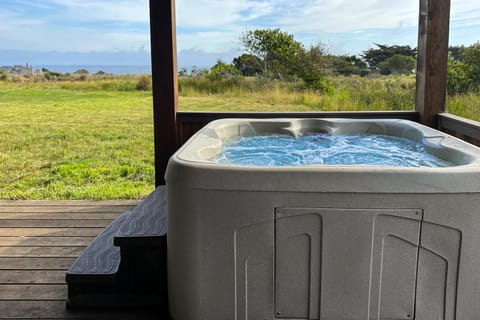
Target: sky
{"points": [[117, 31]]}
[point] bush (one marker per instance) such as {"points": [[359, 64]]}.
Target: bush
{"points": [[458, 79], [144, 83], [471, 58], [198, 72], [223, 71], [249, 65], [464, 70], [81, 71], [317, 82], [399, 64], [84, 77], [3, 76], [343, 66]]}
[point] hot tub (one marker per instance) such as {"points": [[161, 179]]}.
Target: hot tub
{"points": [[323, 241]]}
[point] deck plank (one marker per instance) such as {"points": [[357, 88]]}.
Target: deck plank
{"points": [[68, 203], [39, 252], [56, 208], [60, 209], [49, 232], [33, 292], [56, 310], [43, 263], [39, 240], [45, 241], [63, 223], [58, 215], [32, 277]]}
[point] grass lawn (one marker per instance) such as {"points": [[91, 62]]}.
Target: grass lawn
{"points": [[94, 139], [75, 144]]}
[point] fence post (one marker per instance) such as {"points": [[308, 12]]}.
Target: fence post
{"points": [[164, 83], [433, 31]]}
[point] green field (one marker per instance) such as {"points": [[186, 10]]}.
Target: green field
{"points": [[93, 139], [63, 143]]}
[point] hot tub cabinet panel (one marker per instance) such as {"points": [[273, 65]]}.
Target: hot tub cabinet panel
{"points": [[303, 243], [320, 264]]}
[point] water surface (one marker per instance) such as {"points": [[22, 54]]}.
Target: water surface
{"points": [[323, 149]]}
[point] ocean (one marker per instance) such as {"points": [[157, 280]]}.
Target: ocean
{"points": [[146, 69]]}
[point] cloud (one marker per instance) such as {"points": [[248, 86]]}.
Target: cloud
{"points": [[210, 41], [71, 25], [214, 26], [217, 14], [351, 16], [465, 13], [201, 58], [210, 24], [103, 10]]}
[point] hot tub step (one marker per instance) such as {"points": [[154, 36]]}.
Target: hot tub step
{"points": [[99, 262], [142, 239], [125, 265], [147, 225], [95, 271]]}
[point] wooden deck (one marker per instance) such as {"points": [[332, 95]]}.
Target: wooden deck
{"points": [[39, 240]]}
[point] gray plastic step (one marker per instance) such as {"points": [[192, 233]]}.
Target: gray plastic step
{"points": [[147, 224], [125, 265], [100, 261]]}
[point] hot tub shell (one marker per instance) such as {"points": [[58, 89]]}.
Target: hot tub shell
{"points": [[323, 241]]}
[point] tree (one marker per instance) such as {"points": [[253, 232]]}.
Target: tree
{"points": [[310, 66], [458, 79], [454, 52], [464, 70], [348, 65], [471, 57], [183, 72], [375, 56], [397, 63], [276, 49], [248, 64]]}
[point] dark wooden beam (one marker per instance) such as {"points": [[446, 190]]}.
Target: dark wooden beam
{"points": [[433, 31], [197, 117], [164, 82], [466, 127]]}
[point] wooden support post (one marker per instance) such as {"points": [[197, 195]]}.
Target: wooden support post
{"points": [[433, 31], [164, 85]]}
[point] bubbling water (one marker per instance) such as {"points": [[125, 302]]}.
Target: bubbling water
{"points": [[323, 149]]}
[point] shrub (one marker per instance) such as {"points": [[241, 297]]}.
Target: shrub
{"points": [[318, 82], [82, 71], [3, 76], [249, 65], [84, 77], [223, 71], [458, 79], [198, 72], [144, 83], [464, 70], [399, 64]]}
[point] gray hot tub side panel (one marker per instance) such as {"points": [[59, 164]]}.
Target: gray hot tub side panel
{"points": [[231, 246], [348, 242]]}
